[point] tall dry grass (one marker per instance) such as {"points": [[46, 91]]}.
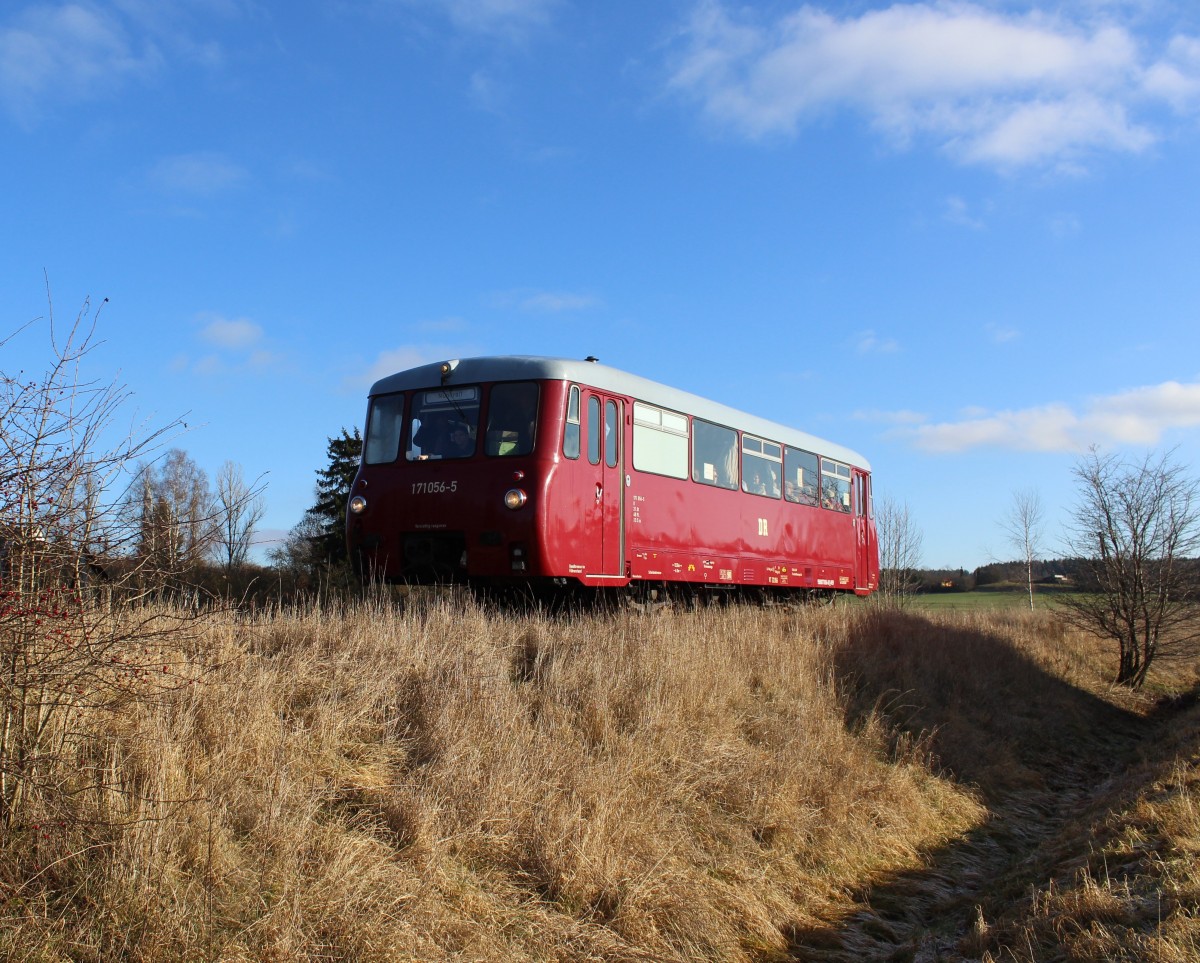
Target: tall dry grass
{"points": [[449, 783], [1121, 881]]}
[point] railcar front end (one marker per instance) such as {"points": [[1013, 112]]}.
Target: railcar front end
{"points": [[452, 487]]}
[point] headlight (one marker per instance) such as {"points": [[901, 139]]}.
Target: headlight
{"points": [[514, 498], [358, 505]]}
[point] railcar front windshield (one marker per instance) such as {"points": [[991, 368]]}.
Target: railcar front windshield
{"points": [[385, 422], [512, 419], [445, 423]]}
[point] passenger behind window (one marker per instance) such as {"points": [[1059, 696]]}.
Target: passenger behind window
{"points": [[458, 442], [729, 473], [431, 436]]}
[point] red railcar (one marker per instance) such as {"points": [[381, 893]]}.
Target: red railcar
{"points": [[551, 474]]}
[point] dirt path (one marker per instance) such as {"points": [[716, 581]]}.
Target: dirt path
{"points": [[935, 913]]}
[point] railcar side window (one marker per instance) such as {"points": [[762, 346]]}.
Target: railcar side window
{"points": [[835, 485], [443, 424], [385, 423], [800, 476], [660, 441], [571, 431], [512, 419], [714, 455], [593, 430], [860, 496], [612, 433], [762, 464]]}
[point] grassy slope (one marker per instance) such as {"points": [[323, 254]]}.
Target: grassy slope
{"points": [[742, 784]]}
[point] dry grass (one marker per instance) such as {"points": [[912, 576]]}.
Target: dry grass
{"points": [[1123, 881], [444, 783]]}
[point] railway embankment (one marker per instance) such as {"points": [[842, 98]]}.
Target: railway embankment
{"points": [[442, 782]]}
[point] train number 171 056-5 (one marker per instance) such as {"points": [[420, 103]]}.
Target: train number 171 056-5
{"points": [[434, 487]]}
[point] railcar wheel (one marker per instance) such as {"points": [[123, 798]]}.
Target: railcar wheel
{"points": [[648, 599]]}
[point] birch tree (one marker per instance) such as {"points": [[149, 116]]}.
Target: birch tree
{"points": [[1023, 525], [900, 543]]}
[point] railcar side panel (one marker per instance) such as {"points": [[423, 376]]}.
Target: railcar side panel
{"points": [[686, 532]]}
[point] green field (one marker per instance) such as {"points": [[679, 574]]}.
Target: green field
{"points": [[985, 599]]}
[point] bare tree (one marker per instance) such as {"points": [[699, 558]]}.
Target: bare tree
{"points": [[240, 507], [900, 544], [1023, 526], [1136, 529]]}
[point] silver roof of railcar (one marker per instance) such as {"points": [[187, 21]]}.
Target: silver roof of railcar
{"points": [[522, 368]]}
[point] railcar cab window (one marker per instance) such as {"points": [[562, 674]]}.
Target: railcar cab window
{"points": [[512, 419], [762, 464], [443, 424], [800, 476], [835, 485], [571, 431], [714, 455], [385, 424], [660, 441]]}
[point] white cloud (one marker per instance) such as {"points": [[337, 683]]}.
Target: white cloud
{"points": [[1050, 428], [56, 51], [993, 88], [901, 417], [555, 302], [543, 302], [511, 19], [958, 212], [204, 174], [450, 323], [239, 342], [868, 342], [235, 334], [1176, 78], [1139, 416], [67, 51], [1001, 334], [492, 15], [1064, 225], [405, 357]]}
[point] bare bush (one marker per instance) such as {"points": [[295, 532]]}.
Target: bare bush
{"points": [[64, 473]]}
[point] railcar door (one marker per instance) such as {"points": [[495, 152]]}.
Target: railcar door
{"points": [[606, 455], [864, 575]]}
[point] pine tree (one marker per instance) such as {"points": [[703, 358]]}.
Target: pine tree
{"points": [[315, 551], [333, 492]]}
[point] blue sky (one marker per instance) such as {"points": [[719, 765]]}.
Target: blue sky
{"points": [[961, 238]]}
